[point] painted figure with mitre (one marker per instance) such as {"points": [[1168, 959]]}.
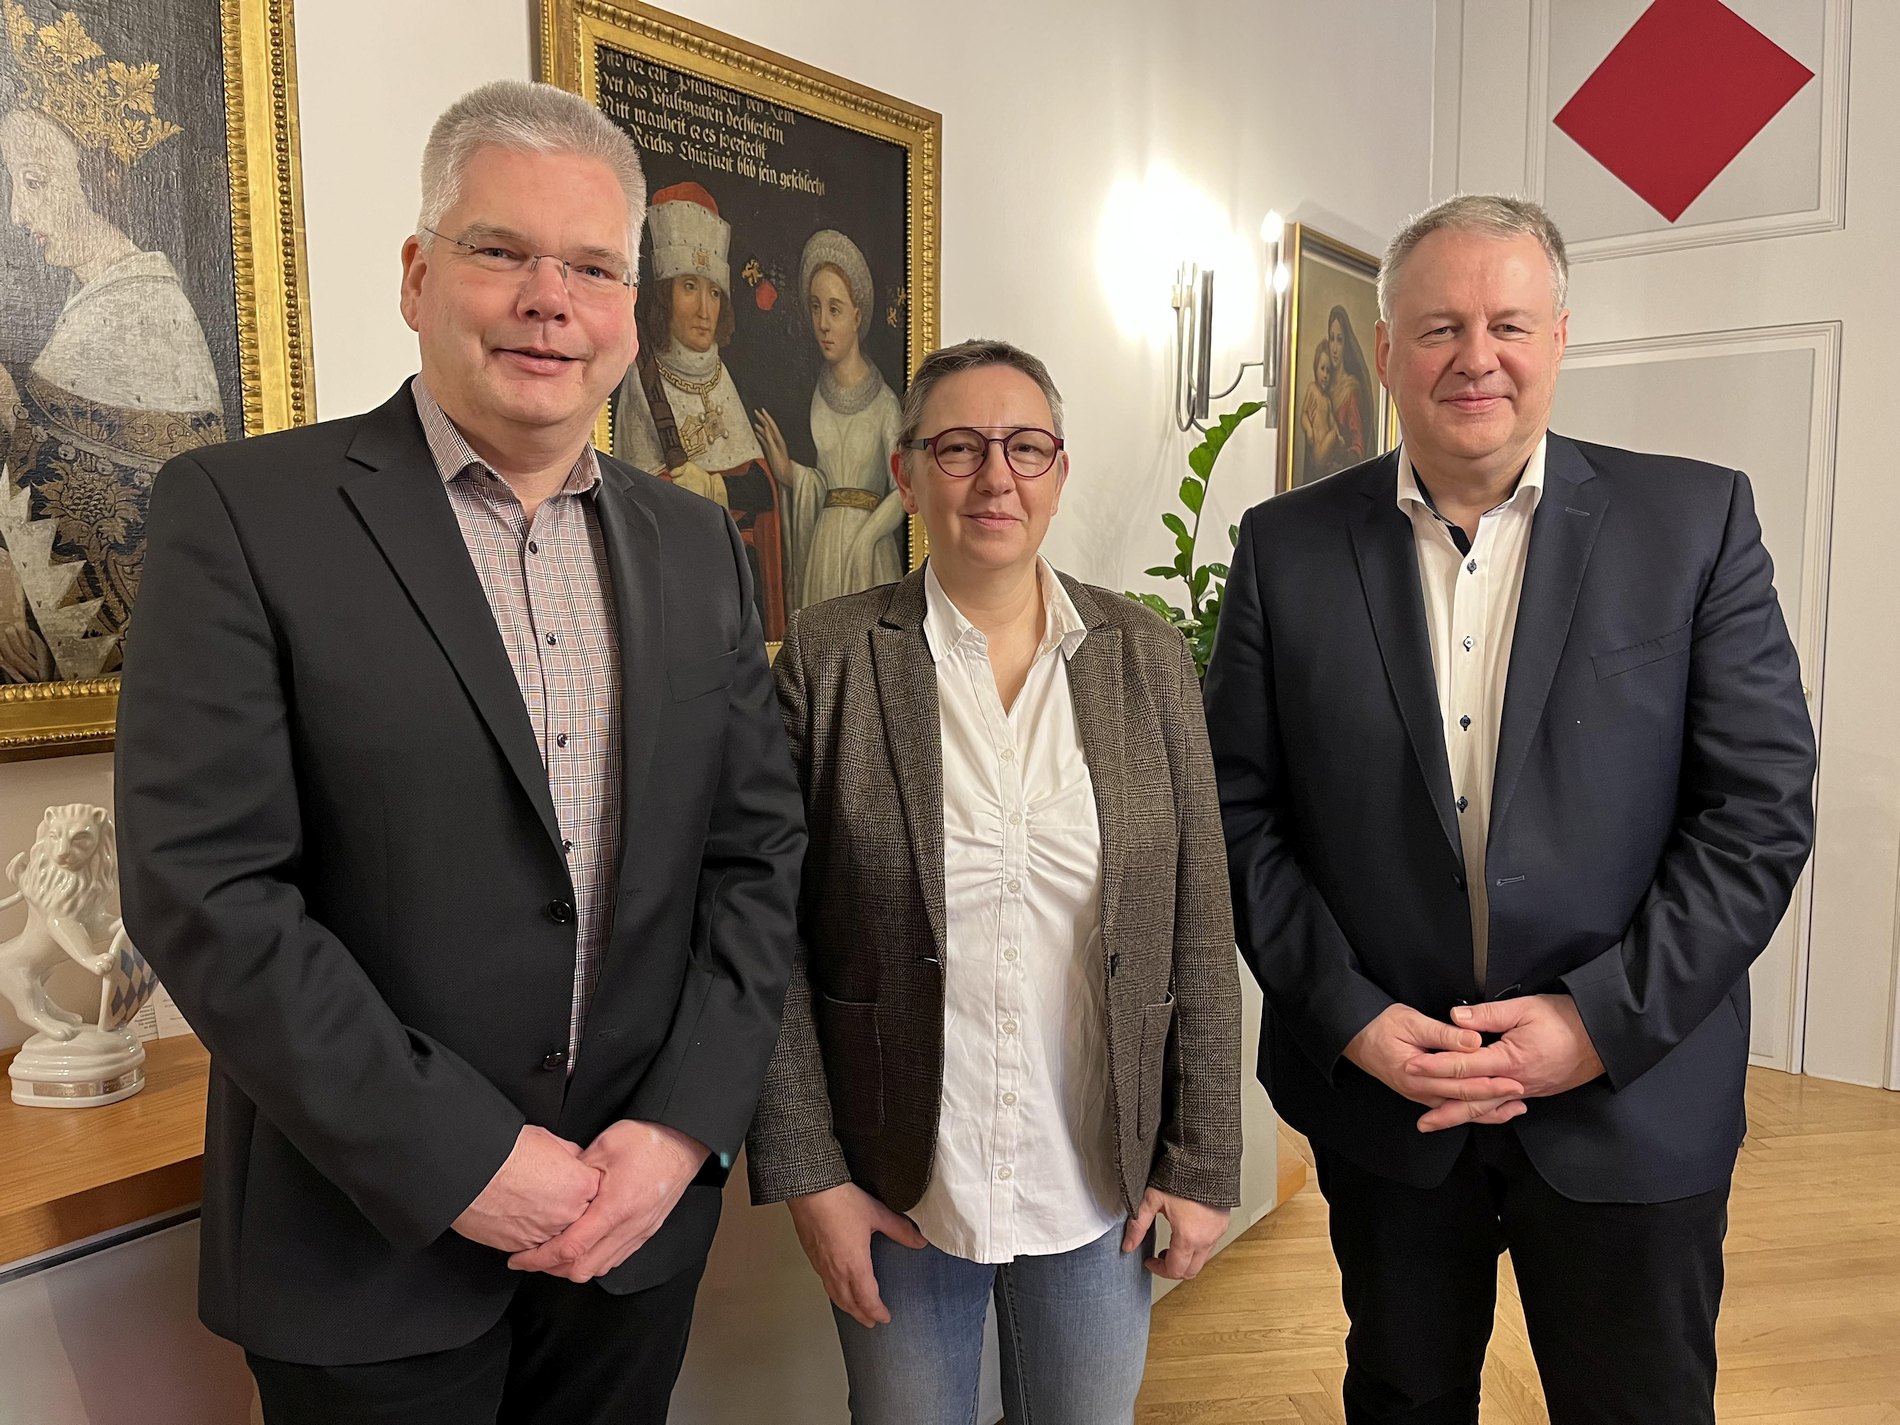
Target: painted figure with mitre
{"points": [[124, 382], [678, 413]]}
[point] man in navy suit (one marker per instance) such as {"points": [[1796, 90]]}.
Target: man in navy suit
{"points": [[1516, 773]]}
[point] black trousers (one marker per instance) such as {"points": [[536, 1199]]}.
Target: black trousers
{"points": [[564, 1353], [1620, 1298]]}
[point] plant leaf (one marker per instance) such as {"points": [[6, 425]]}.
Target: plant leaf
{"points": [[1175, 523], [1160, 571], [1192, 491]]}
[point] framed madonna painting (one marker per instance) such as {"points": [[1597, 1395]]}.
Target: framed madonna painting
{"points": [[788, 284], [151, 281]]}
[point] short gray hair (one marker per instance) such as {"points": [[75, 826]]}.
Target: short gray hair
{"points": [[1490, 213], [967, 356], [524, 118]]}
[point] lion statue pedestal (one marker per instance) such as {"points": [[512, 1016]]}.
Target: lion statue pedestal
{"points": [[70, 883]]}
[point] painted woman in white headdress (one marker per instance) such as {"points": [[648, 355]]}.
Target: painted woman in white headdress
{"points": [[678, 414], [844, 519], [125, 381]]}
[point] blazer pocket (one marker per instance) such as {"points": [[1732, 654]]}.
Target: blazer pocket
{"points": [[701, 676], [1638, 655], [1156, 1021], [853, 1054]]}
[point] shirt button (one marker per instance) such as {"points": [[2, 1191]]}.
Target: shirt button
{"points": [[1462, 803], [566, 845], [533, 548], [1009, 1100], [1015, 818], [1470, 642], [560, 912], [1009, 1026], [556, 1060], [1471, 566], [1004, 1172], [1465, 723], [1014, 886], [1010, 954], [561, 740], [1007, 754], [552, 640]]}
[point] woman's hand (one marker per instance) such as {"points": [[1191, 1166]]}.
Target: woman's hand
{"points": [[1193, 1229], [835, 1229], [778, 457]]}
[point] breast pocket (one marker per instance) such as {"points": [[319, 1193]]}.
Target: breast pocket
{"points": [[1640, 655], [697, 677]]}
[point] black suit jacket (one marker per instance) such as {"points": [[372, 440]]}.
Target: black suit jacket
{"points": [[1651, 810], [341, 856]]}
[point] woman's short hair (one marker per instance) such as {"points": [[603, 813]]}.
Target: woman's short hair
{"points": [[967, 356], [1489, 213], [524, 118]]}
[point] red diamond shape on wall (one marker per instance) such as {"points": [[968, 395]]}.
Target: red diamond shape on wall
{"points": [[1679, 97]]}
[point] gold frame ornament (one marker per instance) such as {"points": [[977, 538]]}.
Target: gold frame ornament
{"points": [[571, 35], [110, 101]]}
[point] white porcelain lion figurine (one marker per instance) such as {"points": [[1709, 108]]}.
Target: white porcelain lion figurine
{"points": [[70, 883]]}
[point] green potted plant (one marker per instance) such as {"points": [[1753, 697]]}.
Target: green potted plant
{"points": [[1205, 583]]}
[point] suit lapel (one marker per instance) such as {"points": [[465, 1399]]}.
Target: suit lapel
{"points": [[1095, 689], [1563, 532], [1382, 542], [402, 501], [631, 538], [907, 697]]}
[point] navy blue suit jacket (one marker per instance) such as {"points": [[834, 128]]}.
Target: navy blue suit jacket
{"points": [[1652, 808]]}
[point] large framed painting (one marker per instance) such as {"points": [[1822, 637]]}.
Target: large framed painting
{"points": [[151, 301], [788, 285], [1333, 411]]}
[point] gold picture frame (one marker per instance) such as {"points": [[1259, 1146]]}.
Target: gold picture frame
{"points": [[792, 164], [257, 329], [1328, 278]]}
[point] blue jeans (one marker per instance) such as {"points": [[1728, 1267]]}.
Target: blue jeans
{"points": [[1073, 1329]]}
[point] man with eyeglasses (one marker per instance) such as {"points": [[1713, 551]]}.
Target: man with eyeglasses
{"points": [[459, 821]]}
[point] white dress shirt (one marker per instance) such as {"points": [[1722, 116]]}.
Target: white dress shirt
{"points": [[1471, 599], [1024, 1164]]}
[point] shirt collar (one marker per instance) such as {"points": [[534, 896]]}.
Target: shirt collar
{"points": [[454, 456], [946, 629], [1528, 491]]}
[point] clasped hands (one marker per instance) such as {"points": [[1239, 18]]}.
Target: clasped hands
{"points": [[1542, 1050], [578, 1213]]}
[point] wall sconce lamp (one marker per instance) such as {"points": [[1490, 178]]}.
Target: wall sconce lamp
{"points": [[1194, 334]]}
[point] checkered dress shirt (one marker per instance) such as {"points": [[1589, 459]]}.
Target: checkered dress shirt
{"points": [[551, 592]]}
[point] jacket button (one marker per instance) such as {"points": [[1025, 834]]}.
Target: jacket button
{"points": [[556, 1060], [560, 912]]}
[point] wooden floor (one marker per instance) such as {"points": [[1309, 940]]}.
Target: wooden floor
{"points": [[1810, 1329]]}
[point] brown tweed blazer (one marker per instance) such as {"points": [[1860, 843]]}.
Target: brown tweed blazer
{"points": [[853, 1090]]}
